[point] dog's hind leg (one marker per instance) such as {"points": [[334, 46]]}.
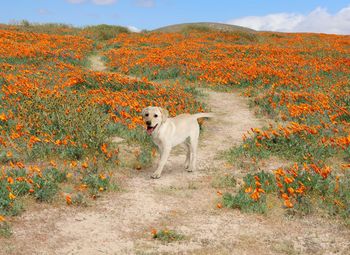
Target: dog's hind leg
{"points": [[188, 154], [193, 149]]}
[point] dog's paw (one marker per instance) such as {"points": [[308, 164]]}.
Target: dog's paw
{"points": [[187, 164], [189, 169], [155, 175]]}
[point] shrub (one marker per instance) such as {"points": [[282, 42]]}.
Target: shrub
{"points": [[167, 235], [252, 196], [104, 32], [96, 182]]}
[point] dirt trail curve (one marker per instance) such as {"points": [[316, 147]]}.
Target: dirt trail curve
{"points": [[120, 223], [97, 63]]}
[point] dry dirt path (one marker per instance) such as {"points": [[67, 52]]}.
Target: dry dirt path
{"points": [[96, 63], [120, 223]]}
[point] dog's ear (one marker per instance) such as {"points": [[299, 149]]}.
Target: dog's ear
{"points": [[165, 114], [144, 111]]}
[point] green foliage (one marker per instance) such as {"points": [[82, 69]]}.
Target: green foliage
{"points": [[98, 33], [44, 185], [45, 28], [10, 188], [244, 202], [66, 116], [5, 229], [96, 182], [242, 199], [309, 190], [45, 188], [5, 158], [266, 180], [295, 147], [225, 181], [104, 32], [168, 236], [246, 37], [79, 199], [19, 185], [303, 206], [8, 206], [338, 199], [328, 196], [55, 175]]}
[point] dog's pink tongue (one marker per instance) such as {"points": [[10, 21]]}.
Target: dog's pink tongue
{"points": [[149, 131]]}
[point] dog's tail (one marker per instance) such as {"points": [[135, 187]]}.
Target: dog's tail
{"points": [[204, 115]]}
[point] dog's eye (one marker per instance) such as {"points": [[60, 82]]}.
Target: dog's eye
{"points": [[146, 114], [155, 115]]}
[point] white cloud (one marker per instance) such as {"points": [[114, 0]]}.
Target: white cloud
{"points": [[104, 2], [134, 29], [145, 3], [274, 22], [99, 2], [319, 20]]}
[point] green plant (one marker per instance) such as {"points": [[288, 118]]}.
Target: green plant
{"points": [[44, 188], [96, 182], [79, 199], [104, 32], [5, 229], [244, 202], [225, 181], [9, 205], [167, 235], [252, 196]]}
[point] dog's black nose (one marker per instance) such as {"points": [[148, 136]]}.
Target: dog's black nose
{"points": [[148, 123]]}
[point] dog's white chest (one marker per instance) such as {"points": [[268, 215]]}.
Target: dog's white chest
{"points": [[157, 141]]}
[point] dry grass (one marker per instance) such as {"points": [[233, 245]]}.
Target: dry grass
{"points": [[203, 26]]}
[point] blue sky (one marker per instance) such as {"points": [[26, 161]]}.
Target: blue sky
{"points": [[290, 15]]}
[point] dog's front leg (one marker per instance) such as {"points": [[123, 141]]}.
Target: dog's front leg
{"points": [[164, 155]]}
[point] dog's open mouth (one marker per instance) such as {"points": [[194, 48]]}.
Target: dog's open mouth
{"points": [[151, 129]]}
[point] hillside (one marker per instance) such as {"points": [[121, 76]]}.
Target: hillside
{"points": [[273, 164], [202, 26]]}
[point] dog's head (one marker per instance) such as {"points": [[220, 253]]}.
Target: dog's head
{"points": [[154, 117]]}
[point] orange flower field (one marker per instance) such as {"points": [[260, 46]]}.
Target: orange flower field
{"points": [[300, 80], [52, 109], [56, 115]]}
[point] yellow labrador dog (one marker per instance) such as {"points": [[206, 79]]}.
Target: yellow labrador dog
{"points": [[169, 132]]}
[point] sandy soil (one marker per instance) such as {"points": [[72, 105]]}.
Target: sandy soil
{"points": [[121, 222]]}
